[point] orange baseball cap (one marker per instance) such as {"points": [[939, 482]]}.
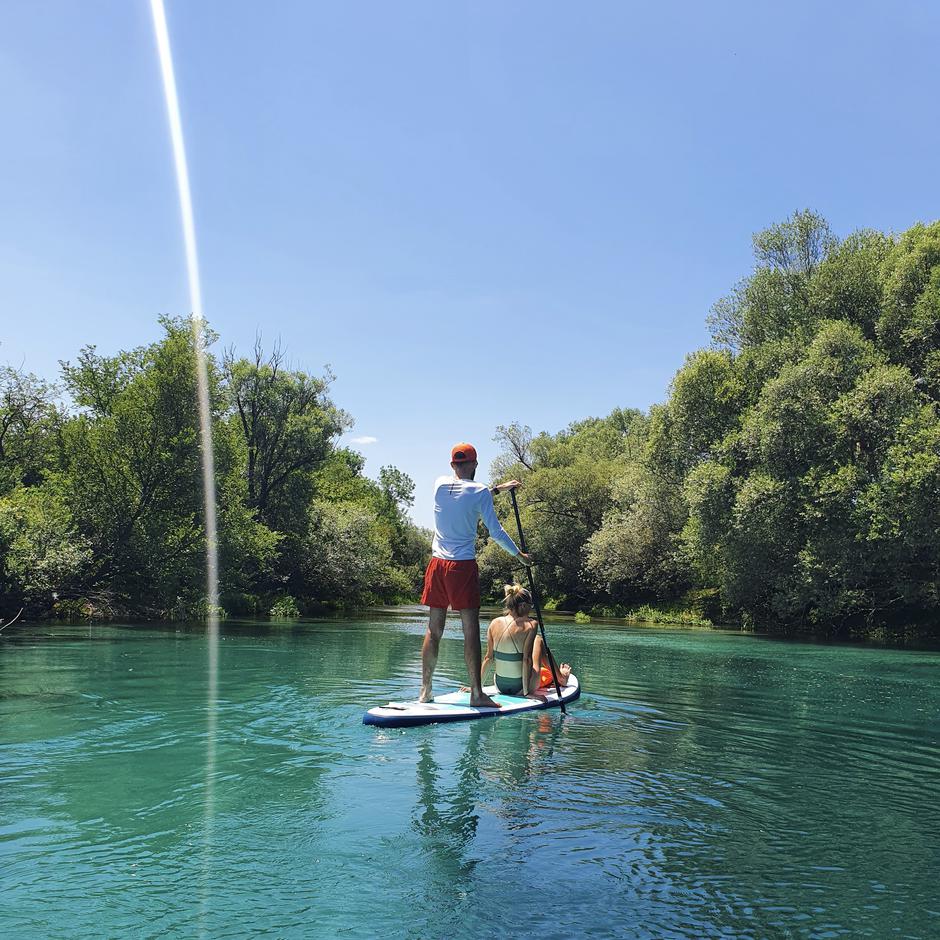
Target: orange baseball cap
{"points": [[463, 453]]}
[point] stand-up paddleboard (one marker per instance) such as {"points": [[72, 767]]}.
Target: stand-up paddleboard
{"points": [[455, 706]]}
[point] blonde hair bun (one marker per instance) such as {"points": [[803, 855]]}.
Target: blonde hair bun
{"points": [[516, 596]]}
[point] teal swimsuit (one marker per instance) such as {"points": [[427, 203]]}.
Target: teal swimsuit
{"points": [[507, 659]]}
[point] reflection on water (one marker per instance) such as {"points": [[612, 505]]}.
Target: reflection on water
{"points": [[704, 785], [508, 753], [446, 811]]}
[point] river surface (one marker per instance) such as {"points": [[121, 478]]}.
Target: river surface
{"points": [[707, 784]]}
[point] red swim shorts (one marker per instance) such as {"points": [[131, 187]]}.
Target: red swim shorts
{"points": [[454, 584]]}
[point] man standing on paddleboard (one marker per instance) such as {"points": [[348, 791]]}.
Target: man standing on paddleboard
{"points": [[452, 578]]}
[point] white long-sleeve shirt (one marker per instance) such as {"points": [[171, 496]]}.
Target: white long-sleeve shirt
{"points": [[457, 506]]}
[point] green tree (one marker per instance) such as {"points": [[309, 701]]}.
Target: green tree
{"points": [[794, 503], [345, 555], [341, 480], [44, 556], [775, 302], [102, 503], [28, 421], [635, 554], [909, 325], [567, 481], [132, 472], [289, 425]]}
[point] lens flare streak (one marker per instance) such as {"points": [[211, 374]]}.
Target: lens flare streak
{"points": [[205, 433], [195, 293]]}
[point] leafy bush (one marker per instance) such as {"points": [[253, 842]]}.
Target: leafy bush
{"points": [[203, 610], [285, 608], [647, 614], [43, 553]]}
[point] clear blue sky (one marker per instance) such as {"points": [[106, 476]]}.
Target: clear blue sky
{"points": [[475, 212]]}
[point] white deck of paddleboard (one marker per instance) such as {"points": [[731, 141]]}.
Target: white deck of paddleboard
{"points": [[455, 706]]}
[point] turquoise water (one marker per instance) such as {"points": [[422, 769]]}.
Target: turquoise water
{"points": [[705, 785]]}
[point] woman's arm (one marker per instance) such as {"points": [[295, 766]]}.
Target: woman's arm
{"points": [[537, 653], [530, 680], [488, 658]]}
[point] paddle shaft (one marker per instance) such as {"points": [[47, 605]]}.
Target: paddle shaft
{"points": [[535, 601]]}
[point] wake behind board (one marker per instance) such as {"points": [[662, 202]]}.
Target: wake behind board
{"points": [[455, 706]]}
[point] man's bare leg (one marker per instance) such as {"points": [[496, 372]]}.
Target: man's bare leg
{"points": [[470, 619], [429, 651]]}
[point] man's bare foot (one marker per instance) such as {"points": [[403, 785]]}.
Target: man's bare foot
{"points": [[483, 701], [426, 695]]}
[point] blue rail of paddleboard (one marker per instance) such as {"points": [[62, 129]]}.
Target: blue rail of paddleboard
{"points": [[411, 721]]}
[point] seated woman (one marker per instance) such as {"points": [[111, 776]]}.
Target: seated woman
{"points": [[516, 650], [510, 641]]}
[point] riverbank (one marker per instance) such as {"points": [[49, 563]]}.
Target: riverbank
{"points": [[284, 609]]}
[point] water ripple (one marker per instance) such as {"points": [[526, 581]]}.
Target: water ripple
{"points": [[705, 785]]}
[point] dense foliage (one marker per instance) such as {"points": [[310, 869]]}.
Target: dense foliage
{"points": [[101, 507], [792, 478]]}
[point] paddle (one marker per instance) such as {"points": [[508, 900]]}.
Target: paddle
{"points": [[535, 601]]}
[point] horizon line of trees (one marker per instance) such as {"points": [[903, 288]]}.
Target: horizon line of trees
{"points": [[101, 511], [791, 480]]}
